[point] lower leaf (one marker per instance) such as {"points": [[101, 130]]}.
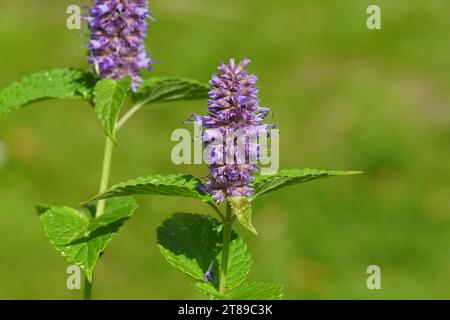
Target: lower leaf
{"points": [[192, 243], [80, 237], [209, 290]]}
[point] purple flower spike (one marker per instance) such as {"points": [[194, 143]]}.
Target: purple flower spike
{"points": [[118, 29], [233, 107]]}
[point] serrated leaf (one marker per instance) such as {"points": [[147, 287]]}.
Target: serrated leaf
{"points": [[257, 291], [242, 208], [79, 237], [109, 97], [192, 243], [239, 263], [169, 89], [287, 177], [52, 84], [171, 185], [208, 289]]}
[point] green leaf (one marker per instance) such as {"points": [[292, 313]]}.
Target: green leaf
{"points": [[80, 237], [171, 185], [209, 290], [242, 208], [267, 183], [192, 243], [109, 97], [169, 89], [239, 263], [52, 84], [257, 291]]}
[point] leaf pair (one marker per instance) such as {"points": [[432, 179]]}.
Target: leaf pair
{"points": [[188, 186], [80, 237], [192, 243], [107, 95]]}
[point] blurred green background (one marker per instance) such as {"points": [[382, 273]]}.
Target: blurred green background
{"points": [[344, 97]]}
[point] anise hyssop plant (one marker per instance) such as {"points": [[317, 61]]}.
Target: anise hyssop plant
{"points": [[117, 54], [204, 248]]}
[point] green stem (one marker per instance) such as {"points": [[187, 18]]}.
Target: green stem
{"points": [[104, 182], [227, 224], [128, 115], [109, 145], [87, 289]]}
